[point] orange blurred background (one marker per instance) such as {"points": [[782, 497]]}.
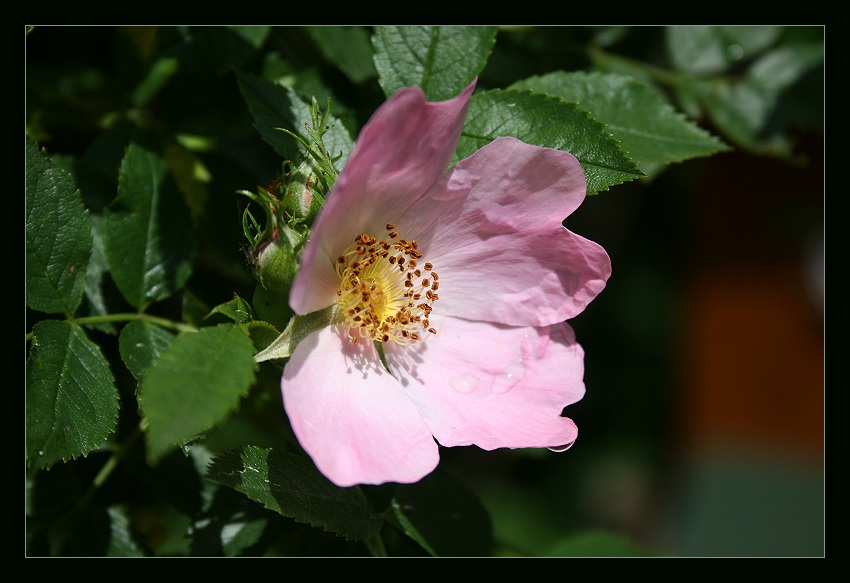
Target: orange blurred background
{"points": [[751, 413]]}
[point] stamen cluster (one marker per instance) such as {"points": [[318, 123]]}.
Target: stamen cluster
{"points": [[384, 294]]}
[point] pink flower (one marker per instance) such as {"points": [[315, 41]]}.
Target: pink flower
{"points": [[462, 279]]}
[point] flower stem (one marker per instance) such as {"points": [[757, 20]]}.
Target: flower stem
{"points": [[162, 322], [105, 472], [376, 546], [657, 74]]}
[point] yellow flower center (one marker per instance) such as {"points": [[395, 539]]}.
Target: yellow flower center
{"points": [[384, 293]]}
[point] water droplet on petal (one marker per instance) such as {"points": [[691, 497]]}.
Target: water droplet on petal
{"points": [[508, 379], [561, 448], [464, 384]]}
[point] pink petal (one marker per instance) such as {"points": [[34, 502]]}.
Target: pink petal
{"points": [[351, 416], [400, 153], [494, 386], [493, 232]]}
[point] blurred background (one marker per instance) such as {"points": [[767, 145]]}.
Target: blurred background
{"points": [[702, 429]]}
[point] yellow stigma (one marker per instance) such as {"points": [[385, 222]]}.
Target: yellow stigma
{"points": [[384, 293]]}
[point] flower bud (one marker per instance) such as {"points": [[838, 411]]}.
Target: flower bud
{"points": [[303, 199], [276, 262]]}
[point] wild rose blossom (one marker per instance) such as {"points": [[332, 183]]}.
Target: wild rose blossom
{"points": [[450, 291]]}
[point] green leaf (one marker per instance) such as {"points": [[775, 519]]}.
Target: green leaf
{"points": [[739, 110], [348, 48], [121, 540], [290, 485], [597, 544], [233, 526], [191, 177], [240, 311], [140, 344], [698, 49], [275, 106], [253, 35], [196, 382], [442, 60], [71, 399], [262, 334], [780, 68], [648, 128], [550, 122], [237, 309], [160, 74], [97, 277], [444, 517], [299, 327], [58, 236], [744, 108], [147, 231], [217, 49]]}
